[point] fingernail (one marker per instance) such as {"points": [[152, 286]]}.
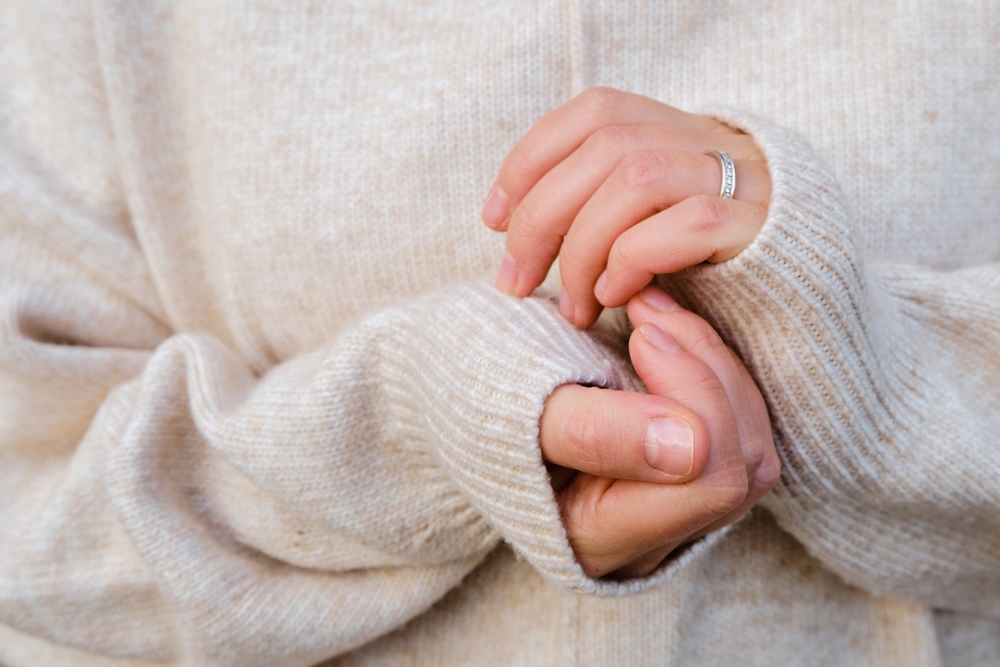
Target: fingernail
{"points": [[658, 299], [658, 338], [507, 274], [566, 306], [602, 284], [495, 208], [669, 445]]}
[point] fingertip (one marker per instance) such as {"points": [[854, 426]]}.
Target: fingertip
{"points": [[649, 303], [603, 294], [566, 306], [601, 286], [507, 274], [574, 314], [588, 315], [528, 278], [614, 292], [657, 299], [496, 208], [585, 313], [658, 338]]}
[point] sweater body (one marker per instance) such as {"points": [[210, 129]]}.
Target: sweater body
{"points": [[259, 404]]}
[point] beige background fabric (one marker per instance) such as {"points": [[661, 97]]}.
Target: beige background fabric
{"points": [[260, 406]]}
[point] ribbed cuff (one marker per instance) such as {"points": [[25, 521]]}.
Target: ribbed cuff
{"points": [[803, 262], [822, 344], [498, 359]]}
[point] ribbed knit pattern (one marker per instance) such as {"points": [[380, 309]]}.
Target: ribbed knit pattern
{"points": [[260, 406], [889, 452]]}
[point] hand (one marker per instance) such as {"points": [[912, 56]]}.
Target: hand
{"points": [[616, 181], [657, 471]]}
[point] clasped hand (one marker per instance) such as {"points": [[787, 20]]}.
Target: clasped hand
{"points": [[622, 188]]}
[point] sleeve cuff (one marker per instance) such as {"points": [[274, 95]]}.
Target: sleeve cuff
{"points": [[489, 397], [869, 426], [802, 263]]}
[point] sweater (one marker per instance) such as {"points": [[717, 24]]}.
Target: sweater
{"points": [[259, 404]]}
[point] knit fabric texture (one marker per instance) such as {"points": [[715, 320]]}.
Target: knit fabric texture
{"points": [[259, 404]]}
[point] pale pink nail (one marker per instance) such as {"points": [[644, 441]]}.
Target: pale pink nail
{"points": [[602, 284], [669, 446], [495, 208], [658, 338], [507, 274], [658, 299], [566, 306]]}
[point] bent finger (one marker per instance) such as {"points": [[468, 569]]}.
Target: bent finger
{"points": [[593, 507], [538, 223], [643, 185], [653, 306], [624, 435], [701, 228], [611, 523], [562, 131]]}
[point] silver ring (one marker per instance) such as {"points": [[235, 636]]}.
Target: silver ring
{"points": [[728, 173]]}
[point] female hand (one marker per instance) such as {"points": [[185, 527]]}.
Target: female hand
{"points": [[616, 181], [656, 471]]}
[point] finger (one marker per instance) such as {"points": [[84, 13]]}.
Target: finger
{"points": [[688, 379], [606, 531], [625, 435], [757, 443], [644, 184], [768, 472], [539, 222], [562, 131], [653, 306], [611, 523], [645, 563], [700, 228]]}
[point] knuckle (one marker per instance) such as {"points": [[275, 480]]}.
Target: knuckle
{"points": [[526, 222], [588, 525], [706, 389], [703, 388], [728, 491], [608, 143], [641, 169], [622, 255], [575, 515], [656, 174], [748, 146], [602, 102], [524, 161], [708, 215], [574, 264], [586, 430], [702, 338]]}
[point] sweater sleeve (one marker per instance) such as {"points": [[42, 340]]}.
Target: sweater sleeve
{"points": [[165, 500], [159, 500], [882, 382]]}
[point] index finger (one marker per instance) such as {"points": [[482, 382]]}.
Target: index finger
{"points": [[560, 132]]}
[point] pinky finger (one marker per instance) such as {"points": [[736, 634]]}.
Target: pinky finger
{"points": [[698, 229]]}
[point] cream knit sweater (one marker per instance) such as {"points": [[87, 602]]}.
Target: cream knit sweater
{"points": [[258, 405]]}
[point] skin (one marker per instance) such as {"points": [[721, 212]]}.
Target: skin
{"points": [[620, 182], [619, 187]]}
